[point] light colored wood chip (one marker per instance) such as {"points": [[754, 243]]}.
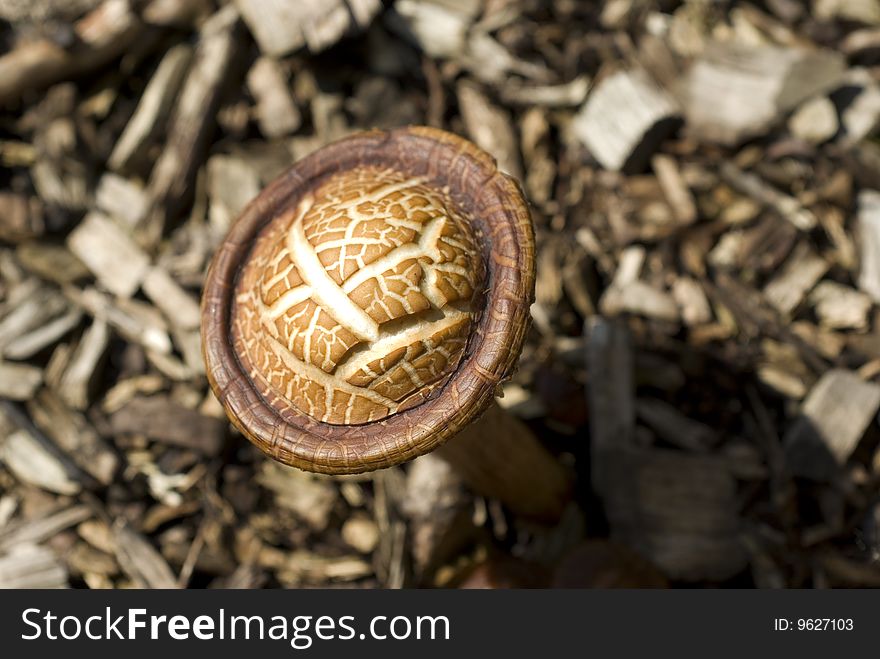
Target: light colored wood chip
{"points": [[110, 253], [734, 92], [277, 113], [19, 381], [868, 228], [815, 121], [80, 376], [677, 194], [180, 308], [788, 288], [280, 27], [624, 119], [122, 199], [833, 420], [32, 566], [840, 306], [32, 463], [140, 560]]}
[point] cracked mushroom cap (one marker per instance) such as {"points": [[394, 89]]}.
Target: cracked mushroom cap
{"points": [[366, 305]]}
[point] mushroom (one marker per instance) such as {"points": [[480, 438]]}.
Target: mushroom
{"points": [[365, 307]]}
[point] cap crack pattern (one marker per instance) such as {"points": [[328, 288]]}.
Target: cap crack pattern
{"points": [[357, 303]]}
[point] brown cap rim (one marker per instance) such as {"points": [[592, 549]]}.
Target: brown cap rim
{"points": [[503, 225]]}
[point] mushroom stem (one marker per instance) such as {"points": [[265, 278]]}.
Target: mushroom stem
{"points": [[499, 457]]}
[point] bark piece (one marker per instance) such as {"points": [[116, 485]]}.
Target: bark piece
{"points": [[625, 118], [734, 92], [164, 420], [833, 420], [277, 113], [280, 27], [110, 253]]}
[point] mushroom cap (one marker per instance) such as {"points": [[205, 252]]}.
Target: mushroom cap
{"points": [[367, 303]]}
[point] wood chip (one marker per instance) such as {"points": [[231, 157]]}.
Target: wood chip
{"points": [[39, 529], [30, 462], [734, 92], [833, 420], [110, 253], [19, 381], [280, 27], [130, 318], [32, 566], [140, 560], [677, 194], [868, 219], [152, 110], [691, 299], [840, 306], [180, 308], [232, 183], [74, 435], [79, 379], [170, 181], [624, 119], [276, 111], [815, 121], [310, 497], [766, 195], [801, 272], [674, 427], [122, 199]]}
